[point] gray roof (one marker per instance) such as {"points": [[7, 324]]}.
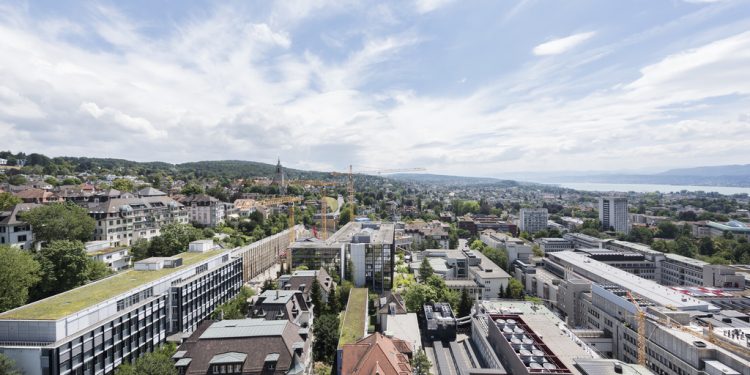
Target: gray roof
{"points": [[183, 362], [150, 192], [11, 217], [244, 328], [277, 296], [231, 357]]}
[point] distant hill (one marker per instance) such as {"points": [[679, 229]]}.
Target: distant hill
{"points": [[715, 171], [724, 175], [449, 180]]}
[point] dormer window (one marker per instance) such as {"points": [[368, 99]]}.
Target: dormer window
{"points": [[271, 360]]}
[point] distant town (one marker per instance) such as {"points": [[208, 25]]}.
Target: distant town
{"points": [[227, 267]]}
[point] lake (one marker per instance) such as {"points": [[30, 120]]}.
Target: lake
{"points": [[648, 188]]}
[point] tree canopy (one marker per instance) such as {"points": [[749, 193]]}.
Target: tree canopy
{"points": [[8, 200], [159, 362], [19, 271], [60, 221]]}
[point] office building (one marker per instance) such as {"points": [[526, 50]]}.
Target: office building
{"points": [[367, 247], [516, 248], [552, 244], [466, 269], [583, 241], [613, 214], [96, 327], [532, 220]]}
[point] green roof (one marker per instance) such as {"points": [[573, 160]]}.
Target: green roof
{"points": [[64, 304], [354, 322]]}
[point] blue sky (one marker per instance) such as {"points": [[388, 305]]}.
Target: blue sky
{"points": [[479, 88]]}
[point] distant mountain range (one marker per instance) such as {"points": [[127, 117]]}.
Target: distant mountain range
{"points": [[723, 175], [438, 179]]}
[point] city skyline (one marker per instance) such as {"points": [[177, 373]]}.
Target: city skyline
{"points": [[475, 89]]}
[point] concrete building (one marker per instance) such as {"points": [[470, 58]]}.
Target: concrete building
{"points": [[516, 248], [552, 244], [714, 229], [15, 232], [466, 269], [613, 214], [204, 209], [532, 220], [583, 241], [117, 258], [367, 247], [94, 328], [246, 347], [129, 219]]}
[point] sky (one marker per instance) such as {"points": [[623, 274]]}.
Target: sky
{"points": [[476, 88]]}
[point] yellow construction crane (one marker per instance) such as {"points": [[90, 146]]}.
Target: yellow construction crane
{"points": [[323, 201], [377, 171], [641, 321]]}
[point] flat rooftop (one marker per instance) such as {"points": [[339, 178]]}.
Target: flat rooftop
{"points": [[565, 345], [384, 233], [72, 301], [648, 289]]}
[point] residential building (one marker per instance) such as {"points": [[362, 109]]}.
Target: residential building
{"points": [[38, 196], [389, 303], [129, 219], [375, 354], [204, 209], [302, 280], [94, 328], [246, 347], [283, 304], [434, 231], [532, 220], [613, 214], [15, 232]]}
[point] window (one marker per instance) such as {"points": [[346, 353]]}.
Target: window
{"points": [[22, 238]]}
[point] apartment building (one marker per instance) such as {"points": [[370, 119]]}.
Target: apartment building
{"points": [[15, 232], [204, 209], [613, 214], [532, 220], [128, 219], [96, 327]]}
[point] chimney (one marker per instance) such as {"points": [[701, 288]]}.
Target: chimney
{"points": [[277, 294]]}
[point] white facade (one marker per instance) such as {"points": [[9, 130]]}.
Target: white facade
{"points": [[532, 220], [613, 213]]}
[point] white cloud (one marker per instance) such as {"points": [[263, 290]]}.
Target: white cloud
{"points": [[561, 45], [426, 6]]}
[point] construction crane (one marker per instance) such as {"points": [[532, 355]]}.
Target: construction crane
{"points": [[641, 320], [376, 171], [323, 202]]}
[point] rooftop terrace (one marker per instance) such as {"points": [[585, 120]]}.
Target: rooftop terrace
{"points": [[67, 303]]}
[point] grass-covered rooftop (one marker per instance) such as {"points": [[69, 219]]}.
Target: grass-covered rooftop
{"points": [[64, 304], [354, 321]]}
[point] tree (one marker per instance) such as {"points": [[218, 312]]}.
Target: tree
{"points": [[516, 288], [320, 368], [19, 271], [326, 331], [685, 247], [667, 229], [123, 184], [191, 189], [236, 308], [159, 362], [8, 366], [416, 295], [706, 246], [425, 270], [420, 364], [346, 287], [334, 305], [17, 180], [464, 306], [64, 266], [346, 216], [316, 297], [267, 285], [60, 221], [8, 200], [96, 270], [501, 292]]}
